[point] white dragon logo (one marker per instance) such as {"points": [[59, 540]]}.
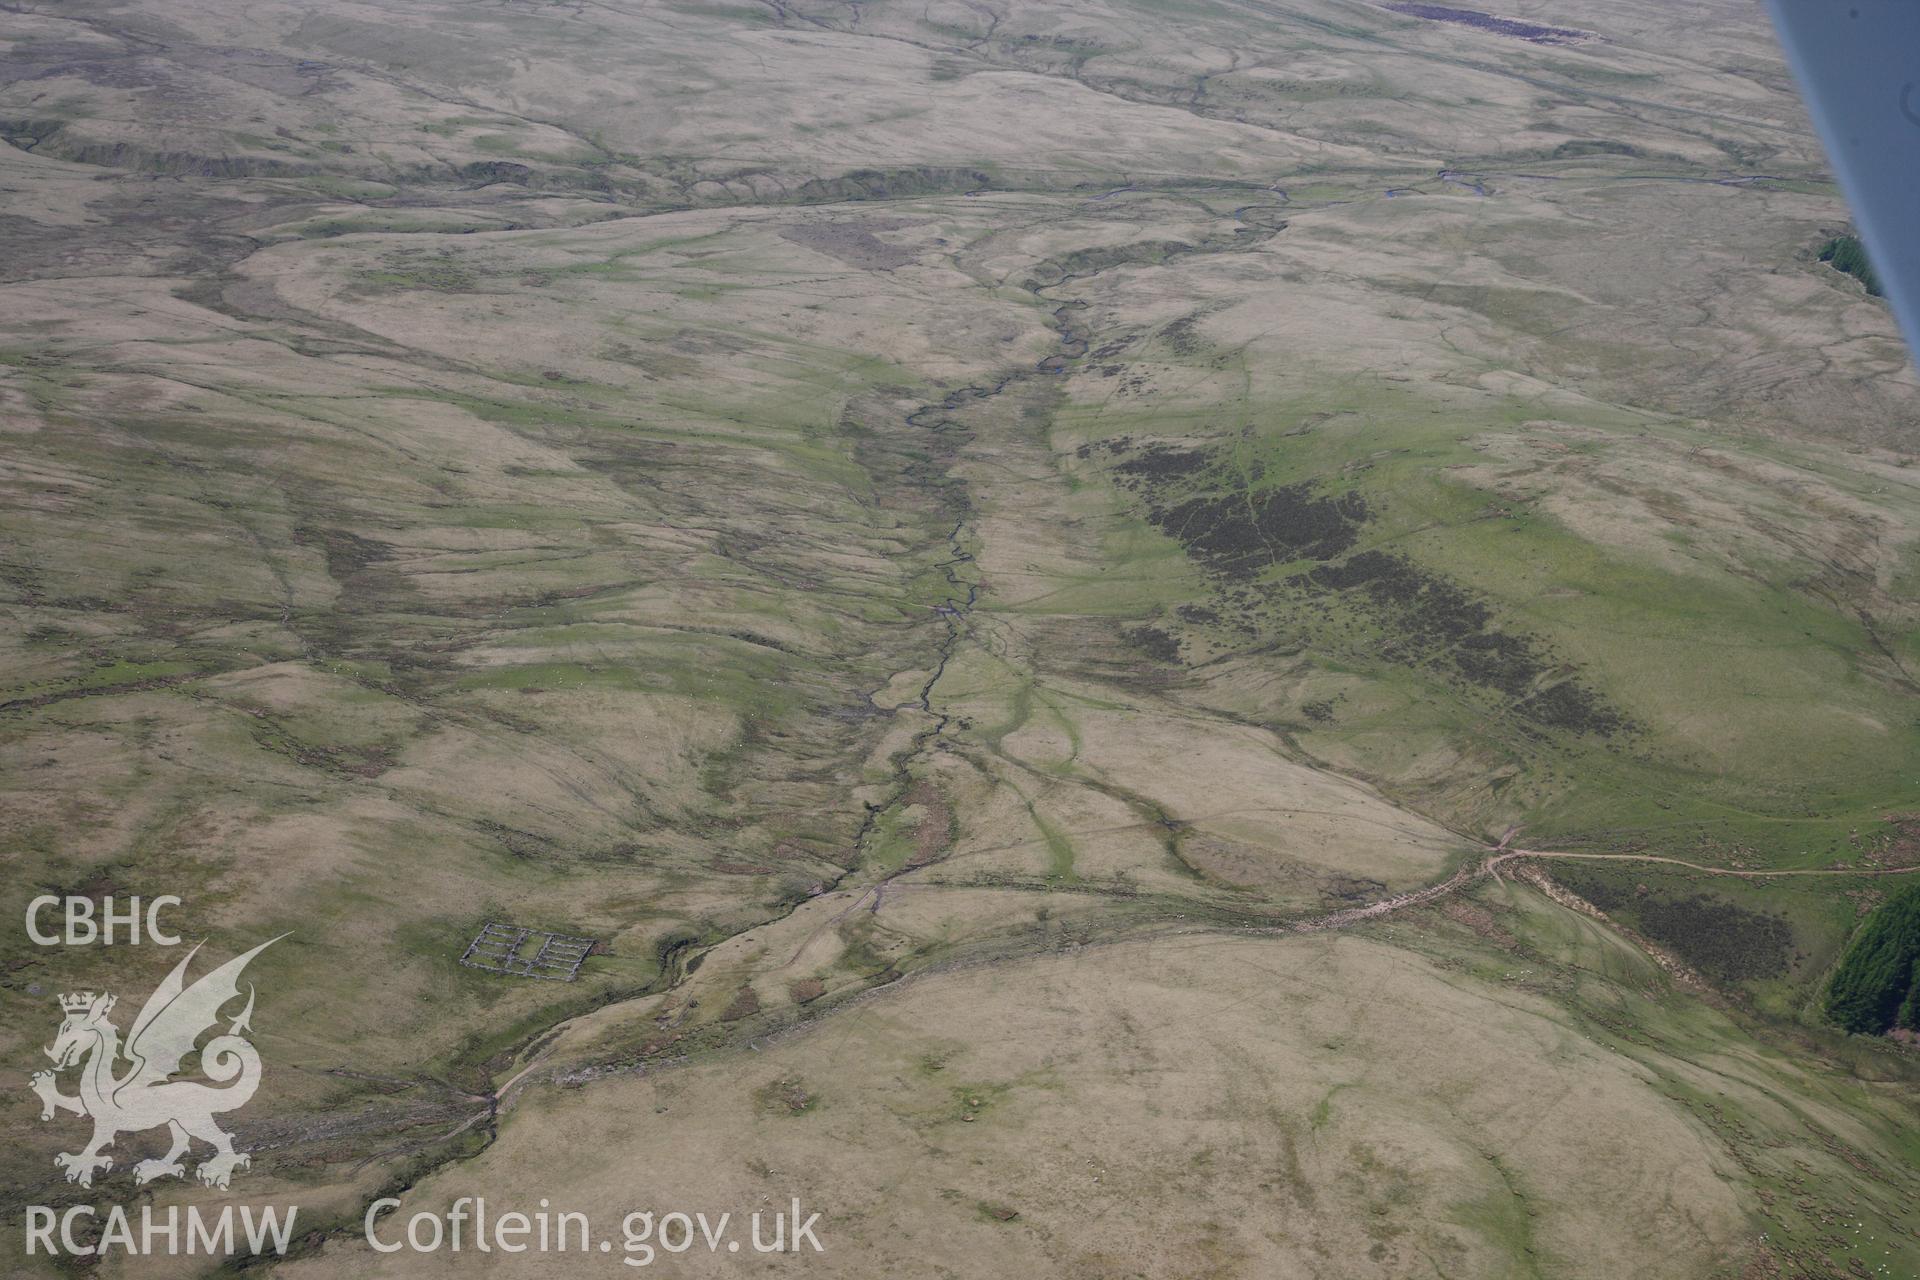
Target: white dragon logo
{"points": [[145, 1097]]}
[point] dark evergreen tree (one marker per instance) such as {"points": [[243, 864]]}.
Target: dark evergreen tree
{"points": [[1878, 982], [1847, 254]]}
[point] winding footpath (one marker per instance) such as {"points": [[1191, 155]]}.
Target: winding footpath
{"points": [[1499, 855]]}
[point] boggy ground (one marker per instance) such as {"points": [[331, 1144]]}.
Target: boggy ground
{"points": [[972, 546]]}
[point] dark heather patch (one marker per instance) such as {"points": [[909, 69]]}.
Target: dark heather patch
{"points": [[1183, 336], [497, 171], [1237, 534], [1427, 621], [1726, 942], [1572, 706], [1153, 642], [1436, 623], [1158, 462], [1498, 661]]}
